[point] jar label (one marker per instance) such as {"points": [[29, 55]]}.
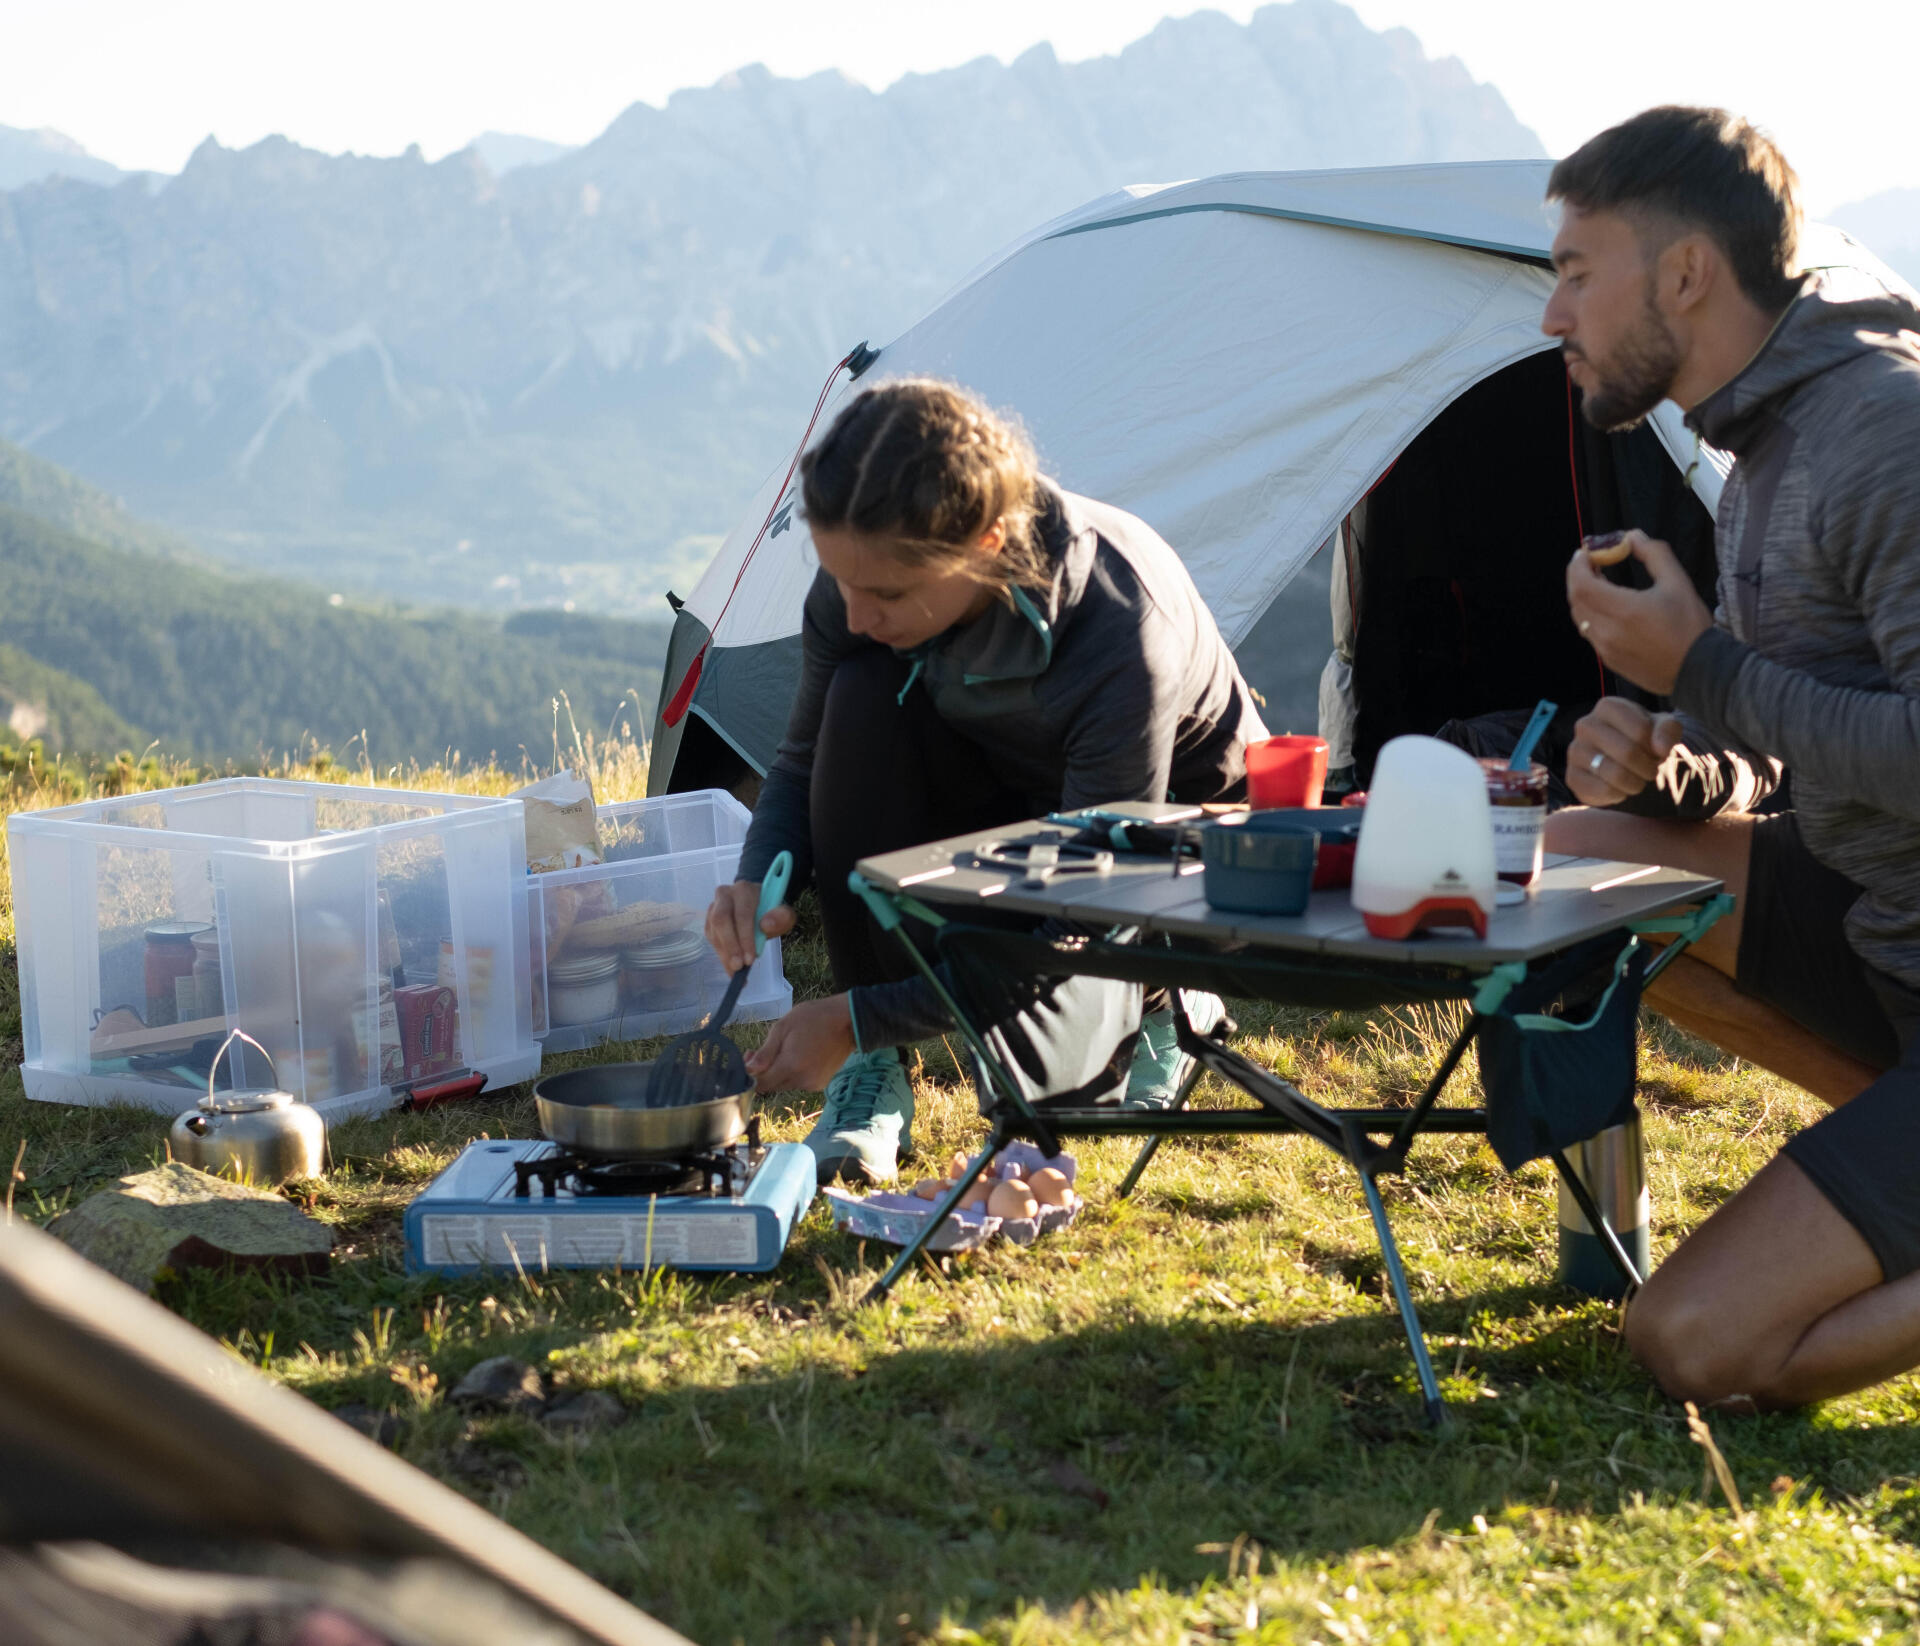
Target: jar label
{"points": [[1518, 836]]}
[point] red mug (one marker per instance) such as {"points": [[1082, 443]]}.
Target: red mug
{"points": [[1286, 771]]}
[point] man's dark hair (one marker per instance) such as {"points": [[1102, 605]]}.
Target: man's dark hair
{"points": [[1697, 169]]}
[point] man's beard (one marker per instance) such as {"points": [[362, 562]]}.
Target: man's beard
{"points": [[1638, 376]]}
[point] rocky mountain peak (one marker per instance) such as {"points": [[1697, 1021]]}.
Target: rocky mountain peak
{"points": [[508, 381]]}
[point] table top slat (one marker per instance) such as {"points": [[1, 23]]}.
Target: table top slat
{"points": [[1576, 898]]}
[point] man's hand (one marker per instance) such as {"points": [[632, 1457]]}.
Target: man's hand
{"points": [[1617, 750], [1643, 634], [730, 923], [805, 1048]]}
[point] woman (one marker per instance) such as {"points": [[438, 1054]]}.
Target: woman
{"points": [[978, 648]]}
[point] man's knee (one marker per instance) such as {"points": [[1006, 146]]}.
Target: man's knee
{"points": [[1683, 1343]]}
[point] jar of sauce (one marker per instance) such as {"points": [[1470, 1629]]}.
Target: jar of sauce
{"points": [[208, 990], [667, 974], [168, 958], [583, 989], [1518, 801]]}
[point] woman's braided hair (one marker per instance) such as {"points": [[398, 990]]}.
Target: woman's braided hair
{"points": [[924, 467]]}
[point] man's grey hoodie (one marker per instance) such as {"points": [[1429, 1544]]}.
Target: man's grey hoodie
{"points": [[1814, 658]]}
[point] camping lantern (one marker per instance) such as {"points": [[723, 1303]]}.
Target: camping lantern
{"points": [[1425, 856]]}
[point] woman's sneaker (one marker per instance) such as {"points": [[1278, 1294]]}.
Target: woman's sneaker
{"points": [[866, 1121], [1160, 1068]]}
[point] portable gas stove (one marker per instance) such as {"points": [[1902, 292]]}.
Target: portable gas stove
{"points": [[531, 1204]]}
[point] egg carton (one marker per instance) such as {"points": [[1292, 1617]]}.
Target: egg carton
{"points": [[898, 1218]]}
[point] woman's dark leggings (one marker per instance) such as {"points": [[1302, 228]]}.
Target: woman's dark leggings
{"points": [[888, 772]]}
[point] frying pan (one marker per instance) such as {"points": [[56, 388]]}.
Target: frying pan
{"points": [[604, 1112]]}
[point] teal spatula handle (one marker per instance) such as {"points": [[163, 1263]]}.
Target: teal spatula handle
{"points": [[773, 892]]}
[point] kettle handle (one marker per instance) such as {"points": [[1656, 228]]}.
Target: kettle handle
{"points": [[240, 1034]]}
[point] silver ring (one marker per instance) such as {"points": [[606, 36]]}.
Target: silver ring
{"points": [[1585, 624], [1593, 765]]}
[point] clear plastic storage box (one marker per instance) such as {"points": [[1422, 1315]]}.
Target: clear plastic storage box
{"points": [[620, 950], [368, 938]]}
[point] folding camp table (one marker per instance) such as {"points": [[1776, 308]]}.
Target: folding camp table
{"points": [[1144, 918]]}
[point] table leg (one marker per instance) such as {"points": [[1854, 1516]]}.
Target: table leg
{"points": [[1397, 1279], [1151, 1147], [914, 1247]]}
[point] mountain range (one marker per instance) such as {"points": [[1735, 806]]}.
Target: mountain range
{"points": [[1888, 224], [511, 378], [32, 156]]}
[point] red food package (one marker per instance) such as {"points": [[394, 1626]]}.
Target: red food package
{"points": [[429, 1016]]}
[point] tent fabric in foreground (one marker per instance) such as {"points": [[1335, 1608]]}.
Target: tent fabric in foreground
{"points": [[1238, 361], [147, 1476]]}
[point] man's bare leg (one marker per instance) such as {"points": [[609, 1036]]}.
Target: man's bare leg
{"points": [[1696, 991], [1704, 1001], [1774, 1300]]}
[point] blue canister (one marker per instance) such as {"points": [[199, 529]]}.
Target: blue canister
{"points": [[1261, 864]]}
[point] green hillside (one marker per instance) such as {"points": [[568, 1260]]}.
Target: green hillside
{"points": [[48, 492], [64, 713], [217, 666]]}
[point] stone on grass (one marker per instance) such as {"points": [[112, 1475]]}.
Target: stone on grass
{"points": [[176, 1217], [375, 1424], [501, 1384], [585, 1413]]}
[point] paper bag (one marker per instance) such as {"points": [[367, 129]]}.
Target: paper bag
{"points": [[562, 832]]}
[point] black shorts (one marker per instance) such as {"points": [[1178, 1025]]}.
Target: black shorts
{"points": [[1794, 955]]}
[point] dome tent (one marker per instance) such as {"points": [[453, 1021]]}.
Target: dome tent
{"points": [[153, 1486], [1240, 361]]}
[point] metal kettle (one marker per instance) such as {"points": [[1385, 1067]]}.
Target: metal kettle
{"points": [[258, 1135]]}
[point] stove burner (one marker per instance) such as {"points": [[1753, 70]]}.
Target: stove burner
{"points": [[645, 1177], [714, 1174]]}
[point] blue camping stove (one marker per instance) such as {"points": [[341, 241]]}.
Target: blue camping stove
{"points": [[529, 1204]]}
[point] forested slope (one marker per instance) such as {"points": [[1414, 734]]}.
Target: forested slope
{"points": [[213, 665]]}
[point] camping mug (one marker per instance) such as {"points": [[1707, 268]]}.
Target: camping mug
{"points": [[258, 1136], [1613, 1166], [1286, 771]]}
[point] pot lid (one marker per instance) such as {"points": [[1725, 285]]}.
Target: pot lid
{"points": [[590, 968], [675, 950], [176, 931], [246, 1101]]}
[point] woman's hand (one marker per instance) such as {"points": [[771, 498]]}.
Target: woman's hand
{"points": [[730, 923], [805, 1048]]}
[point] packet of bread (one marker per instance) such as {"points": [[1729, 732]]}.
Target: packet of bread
{"points": [[562, 832]]}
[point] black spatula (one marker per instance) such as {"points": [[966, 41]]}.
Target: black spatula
{"points": [[705, 1065]]}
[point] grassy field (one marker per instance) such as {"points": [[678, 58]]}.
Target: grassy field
{"points": [[1188, 1417]]}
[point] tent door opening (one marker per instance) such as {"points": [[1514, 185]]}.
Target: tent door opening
{"points": [[1454, 565]]}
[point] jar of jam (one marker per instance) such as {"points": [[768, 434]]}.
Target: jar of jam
{"points": [[168, 958], [1518, 801], [208, 990]]}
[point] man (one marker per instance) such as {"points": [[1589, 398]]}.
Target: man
{"points": [[1678, 279]]}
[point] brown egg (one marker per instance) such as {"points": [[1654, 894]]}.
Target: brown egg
{"points": [[957, 1164], [976, 1197], [1012, 1199], [1051, 1187], [931, 1188]]}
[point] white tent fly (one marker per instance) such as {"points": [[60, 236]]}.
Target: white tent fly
{"points": [[1238, 361]]}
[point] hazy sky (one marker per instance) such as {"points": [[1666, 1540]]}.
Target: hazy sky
{"points": [[140, 82]]}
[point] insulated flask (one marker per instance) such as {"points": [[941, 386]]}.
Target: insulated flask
{"points": [[1613, 1166]]}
